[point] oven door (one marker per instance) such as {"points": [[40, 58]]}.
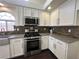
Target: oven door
{"points": [[32, 44]]}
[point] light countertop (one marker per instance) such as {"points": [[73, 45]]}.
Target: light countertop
{"points": [[66, 39]]}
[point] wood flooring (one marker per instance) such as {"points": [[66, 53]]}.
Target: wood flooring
{"points": [[43, 55]]}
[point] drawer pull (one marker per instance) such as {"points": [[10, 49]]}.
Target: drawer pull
{"points": [[54, 45], [59, 43]]}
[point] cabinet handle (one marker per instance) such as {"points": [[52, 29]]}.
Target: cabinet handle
{"points": [[22, 44], [17, 40], [54, 45], [59, 43]]}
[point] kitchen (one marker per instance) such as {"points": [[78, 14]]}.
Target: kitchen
{"points": [[43, 29]]}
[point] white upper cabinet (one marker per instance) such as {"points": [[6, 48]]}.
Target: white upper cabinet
{"points": [[77, 13], [35, 13], [44, 18], [16, 16], [47, 18], [19, 16], [31, 12], [22, 12], [67, 12], [27, 12], [54, 17], [77, 4], [41, 18]]}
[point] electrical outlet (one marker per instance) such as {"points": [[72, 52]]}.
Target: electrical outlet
{"points": [[26, 30], [44, 28], [53, 29], [17, 29], [36, 30], [69, 30]]}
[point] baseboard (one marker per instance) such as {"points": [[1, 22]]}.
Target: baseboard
{"points": [[17, 57], [44, 50]]}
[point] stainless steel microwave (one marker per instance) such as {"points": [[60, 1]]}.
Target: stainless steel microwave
{"points": [[31, 21]]}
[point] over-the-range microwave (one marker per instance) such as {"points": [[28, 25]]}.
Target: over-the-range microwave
{"points": [[31, 21]]}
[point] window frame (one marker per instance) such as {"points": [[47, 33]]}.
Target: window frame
{"points": [[6, 21]]}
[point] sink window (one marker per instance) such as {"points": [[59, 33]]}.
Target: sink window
{"points": [[7, 22]]}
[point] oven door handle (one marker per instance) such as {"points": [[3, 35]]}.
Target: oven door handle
{"points": [[32, 40]]}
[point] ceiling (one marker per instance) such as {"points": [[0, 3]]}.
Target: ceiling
{"points": [[39, 4], [55, 4], [31, 3]]}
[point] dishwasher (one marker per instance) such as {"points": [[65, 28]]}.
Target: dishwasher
{"points": [[4, 48]]}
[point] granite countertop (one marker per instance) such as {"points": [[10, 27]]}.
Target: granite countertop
{"points": [[44, 34], [5, 37], [66, 39], [16, 36]]}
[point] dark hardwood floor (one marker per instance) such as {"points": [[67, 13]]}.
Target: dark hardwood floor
{"points": [[43, 55]]}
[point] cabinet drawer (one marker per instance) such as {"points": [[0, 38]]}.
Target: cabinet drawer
{"points": [[58, 42]]}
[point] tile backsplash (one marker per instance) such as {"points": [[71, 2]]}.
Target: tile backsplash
{"points": [[67, 30], [64, 30]]}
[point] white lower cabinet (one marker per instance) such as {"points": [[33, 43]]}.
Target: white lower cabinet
{"points": [[52, 45], [4, 52], [17, 48], [44, 42], [62, 49]]}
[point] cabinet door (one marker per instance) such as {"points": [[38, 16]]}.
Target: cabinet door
{"points": [[60, 50], [21, 16], [54, 18], [34, 13], [17, 47], [77, 5], [66, 14], [77, 13], [17, 16], [27, 12], [47, 19], [52, 45], [41, 18], [4, 52], [44, 42]]}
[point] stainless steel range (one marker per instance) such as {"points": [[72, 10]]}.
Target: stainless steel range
{"points": [[32, 43]]}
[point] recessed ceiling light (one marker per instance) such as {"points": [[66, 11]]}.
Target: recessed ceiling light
{"points": [[26, 0], [1, 4], [49, 7]]}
